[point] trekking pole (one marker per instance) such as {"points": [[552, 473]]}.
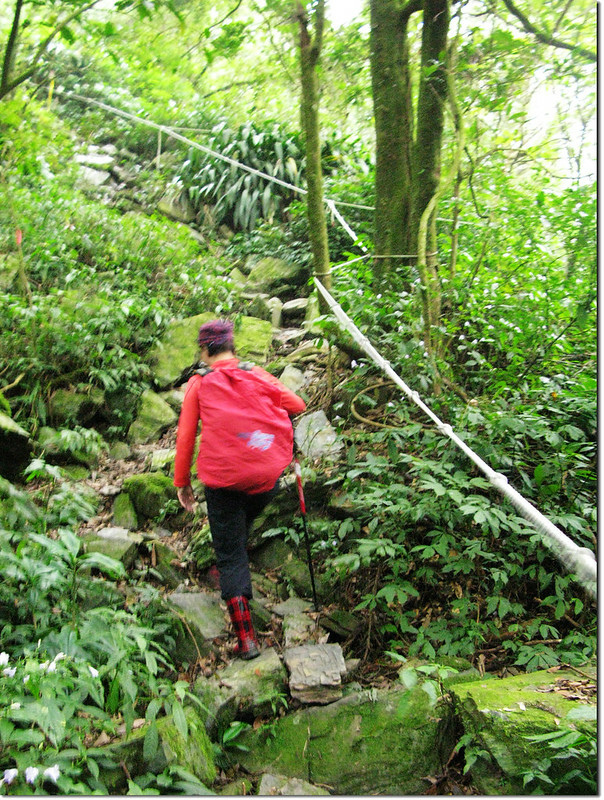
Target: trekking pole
{"points": [[298, 471]]}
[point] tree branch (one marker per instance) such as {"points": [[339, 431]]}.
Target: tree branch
{"points": [[545, 37], [319, 20], [11, 46], [302, 26], [229, 86], [59, 28], [7, 87], [226, 16], [411, 7]]}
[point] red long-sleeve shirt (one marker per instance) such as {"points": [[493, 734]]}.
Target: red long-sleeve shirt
{"points": [[222, 460]]}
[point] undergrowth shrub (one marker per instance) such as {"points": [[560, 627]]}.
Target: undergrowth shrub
{"points": [[241, 198], [101, 285], [71, 672], [457, 570]]}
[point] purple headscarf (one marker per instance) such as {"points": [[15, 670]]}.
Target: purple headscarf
{"points": [[216, 334]]}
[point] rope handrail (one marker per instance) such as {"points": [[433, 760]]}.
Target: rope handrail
{"points": [[171, 131], [579, 560]]}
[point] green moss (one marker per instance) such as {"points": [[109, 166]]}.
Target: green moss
{"points": [[253, 338], [124, 515], [149, 493], [194, 752], [177, 348], [154, 416], [239, 788], [69, 407], [75, 472], [381, 738], [501, 715]]}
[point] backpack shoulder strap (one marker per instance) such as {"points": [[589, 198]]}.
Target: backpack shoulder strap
{"points": [[247, 366]]}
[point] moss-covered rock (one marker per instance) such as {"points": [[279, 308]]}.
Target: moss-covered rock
{"points": [[275, 554], [75, 472], [149, 492], [201, 549], [194, 753], [243, 690], [153, 418], [101, 592], [178, 347], [239, 788], [53, 443], [253, 339], [374, 742], [270, 274], [202, 621], [117, 543], [501, 714], [280, 786], [119, 451], [163, 558], [68, 407], [124, 514]]}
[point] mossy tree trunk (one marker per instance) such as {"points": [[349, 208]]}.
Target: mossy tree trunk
{"points": [[408, 160], [426, 156], [313, 17], [393, 111]]}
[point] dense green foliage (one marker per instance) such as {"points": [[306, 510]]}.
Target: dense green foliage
{"points": [[240, 197], [75, 662]]}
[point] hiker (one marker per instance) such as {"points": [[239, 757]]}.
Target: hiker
{"points": [[246, 443]]}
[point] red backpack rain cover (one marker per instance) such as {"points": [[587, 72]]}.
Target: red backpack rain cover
{"points": [[246, 436]]}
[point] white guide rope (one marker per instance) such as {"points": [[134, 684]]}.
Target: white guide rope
{"points": [[172, 132], [578, 560]]}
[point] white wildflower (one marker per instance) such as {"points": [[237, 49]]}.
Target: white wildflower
{"points": [[3, 658], [26, 678], [94, 672], [52, 667], [9, 776], [10, 672], [53, 773], [31, 773], [15, 706]]}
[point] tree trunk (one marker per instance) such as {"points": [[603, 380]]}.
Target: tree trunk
{"points": [[426, 156], [393, 112], [310, 50], [10, 49]]}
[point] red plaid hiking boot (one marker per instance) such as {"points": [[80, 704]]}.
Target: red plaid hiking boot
{"points": [[247, 644]]}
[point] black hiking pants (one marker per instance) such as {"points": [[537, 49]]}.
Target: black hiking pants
{"points": [[230, 515]]}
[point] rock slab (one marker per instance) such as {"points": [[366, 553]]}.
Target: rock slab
{"points": [[316, 437], [371, 742], [316, 672]]}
